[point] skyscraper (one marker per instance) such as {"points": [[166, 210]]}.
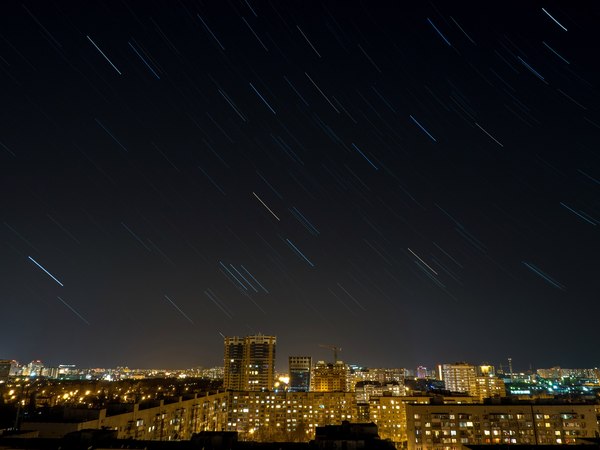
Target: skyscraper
{"points": [[234, 363], [299, 371], [249, 363], [259, 362]]}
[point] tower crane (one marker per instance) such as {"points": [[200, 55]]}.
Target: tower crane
{"points": [[335, 350]]}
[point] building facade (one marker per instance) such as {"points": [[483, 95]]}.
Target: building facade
{"points": [[414, 423], [422, 372], [256, 415], [299, 373], [249, 363], [389, 413], [287, 416], [329, 377], [487, 387], [458, 377], [233, 363], [448, 427], [259, 362]]}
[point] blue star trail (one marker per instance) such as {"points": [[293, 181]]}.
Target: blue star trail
{"points": [[543, 275], [47, 273]]}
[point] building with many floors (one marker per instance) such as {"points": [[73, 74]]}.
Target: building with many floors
{"points": [[487, 387], [389, 413], [255, 415], [329, 377], [449, 427], [458, 377], [299, 373], [249, 362], [415, 423]]}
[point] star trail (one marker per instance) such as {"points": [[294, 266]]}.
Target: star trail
{"points": [[415, 183]]}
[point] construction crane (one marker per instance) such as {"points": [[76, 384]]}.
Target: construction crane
{"points": [[335, 349]]}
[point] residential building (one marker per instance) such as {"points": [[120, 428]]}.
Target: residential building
{"points": [[379, 375], [299, 373], [256, 415], [389, 413], [233, 363], [448, 427], [458, 377], [249, 363], [487, 387], [329, 377]]}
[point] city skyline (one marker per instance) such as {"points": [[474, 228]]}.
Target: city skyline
{"points": [[466, 403], [416, 184], [282, 365]]}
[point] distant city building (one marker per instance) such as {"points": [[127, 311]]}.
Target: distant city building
{"points": [[486, 370], [389, 374], [5, 369], [249, 363], [557, 373], [299, 373], [329, 377], [213, 373], [421, 372], [33, 369], [487, 387], [15, 369], [364, 390], [379, 375], [554, 373], [458, 377], [50, 372]]}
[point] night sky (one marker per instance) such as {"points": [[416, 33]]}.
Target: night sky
{"points": [[415, 182]]}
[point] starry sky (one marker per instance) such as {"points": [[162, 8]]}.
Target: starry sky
{"points": [[415, 182]]}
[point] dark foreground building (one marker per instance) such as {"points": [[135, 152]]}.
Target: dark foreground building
{"points": [[348, 436]]}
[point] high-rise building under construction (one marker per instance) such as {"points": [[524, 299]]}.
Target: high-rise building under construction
{"points": [[249, 363]]}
